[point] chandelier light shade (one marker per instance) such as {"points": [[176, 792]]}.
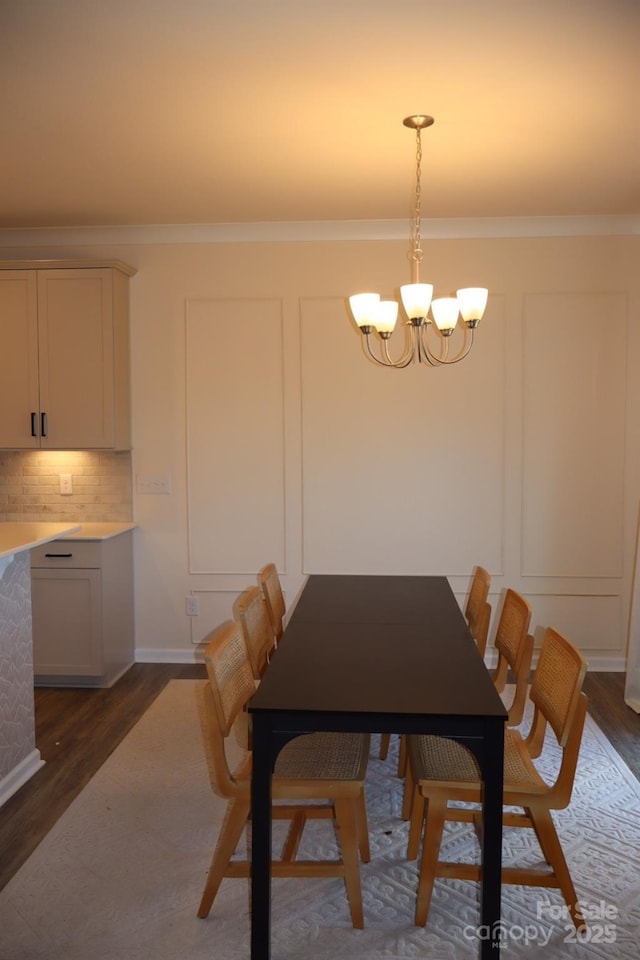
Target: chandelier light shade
{"points": [[376, 316]]}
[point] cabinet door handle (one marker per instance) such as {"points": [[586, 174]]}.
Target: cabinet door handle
{"points": [[34, 424], [58, 554], [43, 424]]}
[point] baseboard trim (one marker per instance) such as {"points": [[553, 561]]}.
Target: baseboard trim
{"points": [[597, 664], [19, 775], [169, 656]]}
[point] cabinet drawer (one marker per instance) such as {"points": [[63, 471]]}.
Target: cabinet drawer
{"points": [[59, 554]]}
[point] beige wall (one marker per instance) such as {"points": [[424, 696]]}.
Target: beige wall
{"points": [[251, 392]]}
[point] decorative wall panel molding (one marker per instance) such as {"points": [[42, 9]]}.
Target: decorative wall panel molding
{"points": [[403, 470], [574, 403], [235, 435], [592, 622], [215, 608]]}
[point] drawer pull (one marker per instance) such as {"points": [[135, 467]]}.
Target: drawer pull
{"points": [[34, 418], [58, 554], [43, 424]]}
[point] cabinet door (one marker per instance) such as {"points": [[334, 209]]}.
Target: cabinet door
{"points": [[66, 611], [75, 325], [19, 402]]}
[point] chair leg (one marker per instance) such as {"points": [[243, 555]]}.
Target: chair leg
{"points": [[552, 850], [437, 810], [415, 827], [385, 740], [363, 827], [230, 833], [407, 795], [402, 756], [346, 819]]}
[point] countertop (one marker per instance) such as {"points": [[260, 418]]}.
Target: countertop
{"points": [[99, 531], [16, 537]]}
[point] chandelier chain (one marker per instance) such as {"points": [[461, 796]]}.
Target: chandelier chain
{"points": [[416, 250]]}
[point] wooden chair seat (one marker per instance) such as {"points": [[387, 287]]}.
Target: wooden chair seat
{"points": [[323, 756], [449, 761]]}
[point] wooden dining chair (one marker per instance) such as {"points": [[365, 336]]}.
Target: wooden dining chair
{"points": [[477, 610], [269, 582], [251, 610], [446, 772], [327, 768]]}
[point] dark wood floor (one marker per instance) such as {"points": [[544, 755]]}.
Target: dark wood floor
{"points": [[76, 730]]}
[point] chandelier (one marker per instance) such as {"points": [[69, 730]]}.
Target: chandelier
{"points": [[374, 315]]}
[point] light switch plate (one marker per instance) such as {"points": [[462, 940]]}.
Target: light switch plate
{"points": [[149, 484]]}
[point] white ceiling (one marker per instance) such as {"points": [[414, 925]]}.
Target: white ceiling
{"points": [[119, 112]]}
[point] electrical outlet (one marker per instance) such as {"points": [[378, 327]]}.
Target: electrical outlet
{"points": [[191, 606], [66, 484], [147, 484]]}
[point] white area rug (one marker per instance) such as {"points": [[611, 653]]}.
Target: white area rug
{"points": [[120, 875]]}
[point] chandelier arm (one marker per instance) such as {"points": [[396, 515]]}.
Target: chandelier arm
{"points": [[409, 354], [386, 360], [370, 353], [424, 354], [443, 360]]}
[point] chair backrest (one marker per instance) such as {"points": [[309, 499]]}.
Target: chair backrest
{"points": [[515, 647], [557, 683], [556, 692], [477, 611], [252, 612], [230, 687], [271, 587]]}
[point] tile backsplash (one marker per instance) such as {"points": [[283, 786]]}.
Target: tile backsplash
{"points": [[30, 485]]}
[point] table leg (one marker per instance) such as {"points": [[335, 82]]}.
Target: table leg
{"points": [[261, 840], [490, 891]]}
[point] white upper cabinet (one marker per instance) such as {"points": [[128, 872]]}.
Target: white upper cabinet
{"points": [[64, 363]]}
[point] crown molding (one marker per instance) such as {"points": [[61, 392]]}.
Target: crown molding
{"points": [[321, 231]]}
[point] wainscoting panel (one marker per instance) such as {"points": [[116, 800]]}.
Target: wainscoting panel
{"points": [[403, 470], [234, 433], [574, 397], [216, 608], [591, 622]]}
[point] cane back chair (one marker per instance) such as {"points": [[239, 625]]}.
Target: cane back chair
{"points": [[446, 772], [326, 767]]}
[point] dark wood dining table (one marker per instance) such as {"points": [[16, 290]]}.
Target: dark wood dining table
{"points": [[377, 654]]}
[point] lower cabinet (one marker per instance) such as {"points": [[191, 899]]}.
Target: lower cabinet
{"points": [[82, 607]]}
